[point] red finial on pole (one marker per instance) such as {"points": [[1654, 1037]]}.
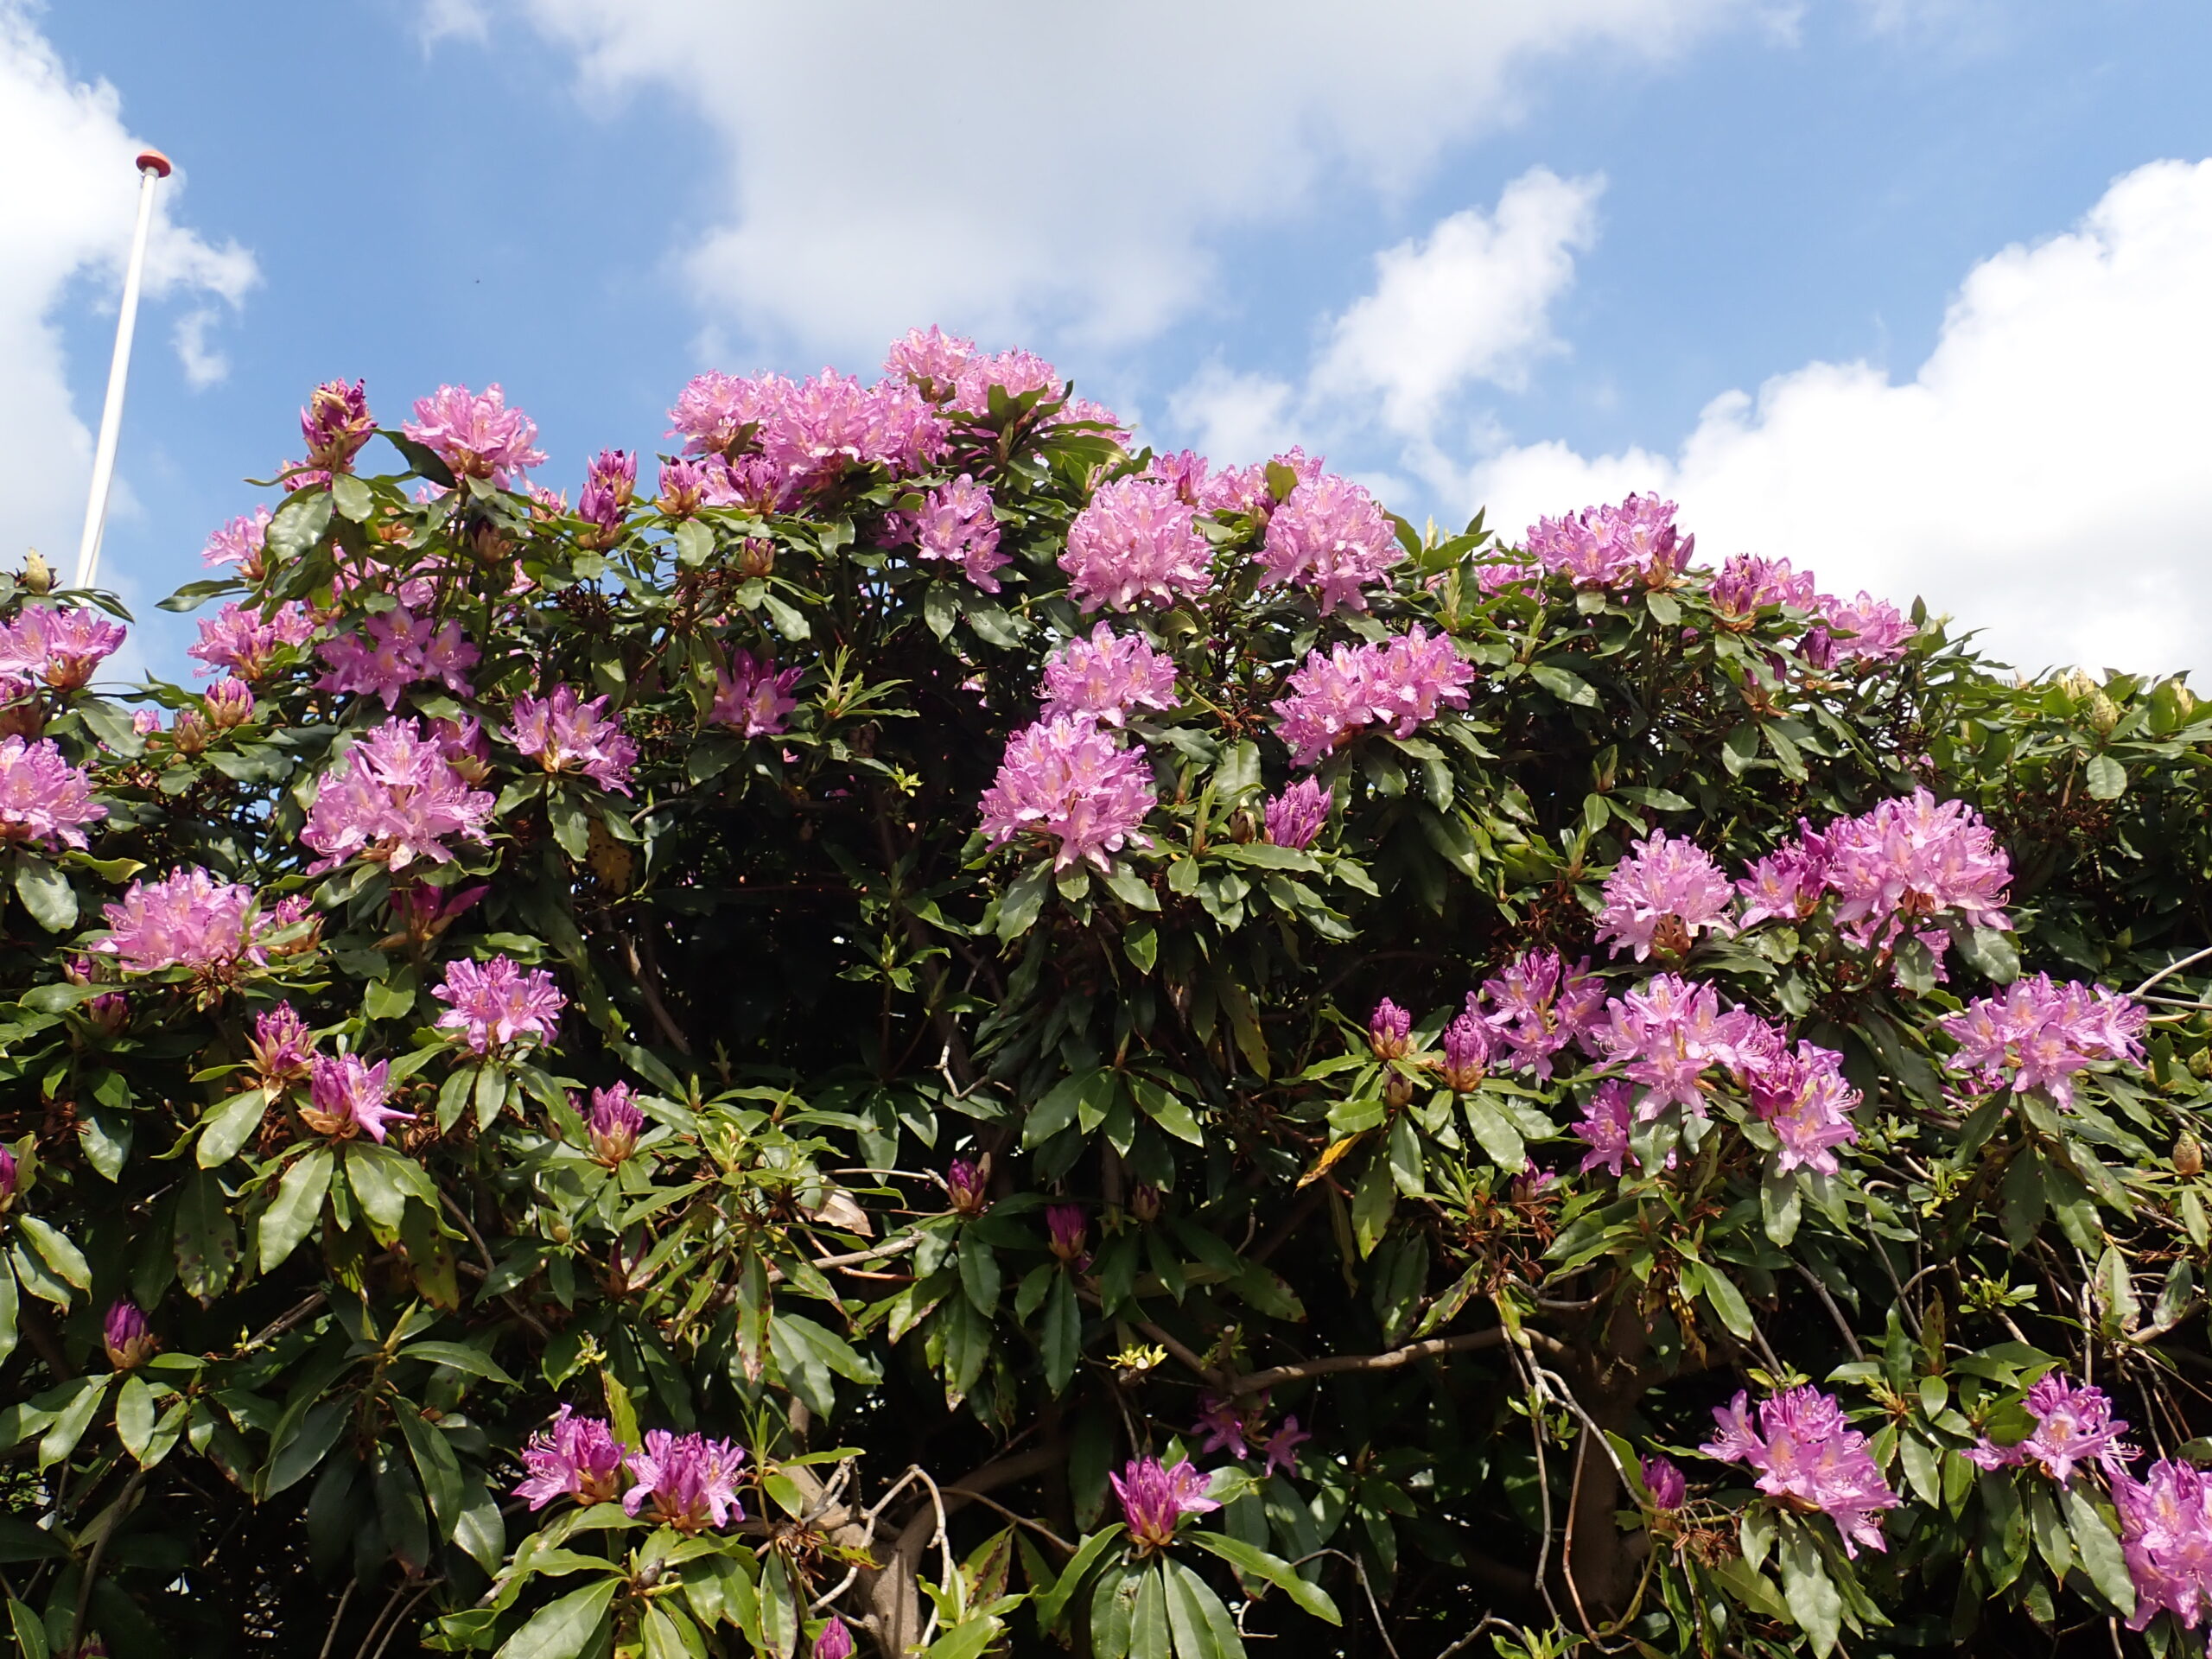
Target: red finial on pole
{"points": [[152, 161]]}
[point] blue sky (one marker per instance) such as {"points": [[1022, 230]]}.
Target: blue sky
{"points": [[1927, 238]]}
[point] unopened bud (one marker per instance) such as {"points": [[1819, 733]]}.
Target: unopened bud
{"points": [[2188, 1155], [38, 575], [229, 703], [1144, 1202]]}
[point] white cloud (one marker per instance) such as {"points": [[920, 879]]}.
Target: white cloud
{"points": [[1016, 169], [1234, 415], [1471, 302], [2046, 475], [68, 199], [204, 365]]}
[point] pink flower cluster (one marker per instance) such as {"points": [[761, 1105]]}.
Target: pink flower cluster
{"points": [[570, 735], [755, 696], [335, 423], [2073, 1426], [1664, 894], [690, 1481], [1400, 684], [1608, 547], [572, 1457], [1856, 633], [401, 648], [1137, 541], [1746, 583], [818, 428], [2166, 1537], [1330, 535], [347, 1097], [239, 543], [240, 639], [1107, 677], [1808, 1456], [1607, 1124], [44, 801], [186, 919], [1155, 1498], [60, 647], [1800, 1095], [948, 370], [1225, 1428], [1912, 859], [476, 434], [1064, 777], [1666, 1035], [494, 1003], [2040, 1034], [1539, 1006], [955, 524], [397, 797], [1297, 815]]}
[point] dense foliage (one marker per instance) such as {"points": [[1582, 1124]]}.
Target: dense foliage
{"points": [[953, 1035]]}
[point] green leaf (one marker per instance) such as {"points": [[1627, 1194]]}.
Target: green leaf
{"points": [[1272, 1569], [1201, 1625], [297, 1206], [458, 1357], [9, 1309], [1063, 1333], [1567, 687], [30, 1631], [2108, 778], [207, 1236], [562, 1629], [46, 894], [1052, 1603], [1023, 903], [1727, 1301], [294, 1459], [966, 1641], [299, 523], [134, 1415], [1167, 1110], [1813, 1599], [55, 1247], [72, 1420], [1500, 1140], [228, 1127], [2099, 1551], [979, 1273], [433, 1457]]}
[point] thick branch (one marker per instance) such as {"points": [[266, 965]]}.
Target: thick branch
{"points": [[1430, 1348], [896, 1597]]}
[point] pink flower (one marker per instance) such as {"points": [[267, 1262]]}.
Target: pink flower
{"points": [[682, 487], [241, 543], [496, 1002], [1154, 1499], [1915, 858], [1107, 676], [476, 434], [1665, 1482], [1666, 1035], [821, 427], [1016, 373], [401, 648], [1401, 685], [836, 1641], [1330, 535], [690, 1480], [2166, 1537], [228, 704], [1184, 471], [336, 424], [573, 1457], [955, 524], [281, 1047], [1065, 779], [1747, 582], [930, 358], [1803, 1099], [967, 1186], [240, 639], [1810, 1457], [717, 413], [396, 797], [188, 920], [754, 697], [610, 484], [1789, 883], [1607, 1122], [1135, 541], [614, 1125], [1297, 815], [1068, 1232], [1466, 1051], [572, 736], [1606, 547], [1539, 1006], [2073, 1426], [128, 1338], [44, 801], [347, 1097], [1222, 1424], [1389, 1031], [2042, 1034], [1873, 631], [60, 647], [1281, 1448], [10, 1179], [1662, 896]]}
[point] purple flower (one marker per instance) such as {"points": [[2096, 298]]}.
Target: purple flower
{"points": [[1539, 1006], [1665, 1482], [718, 413], [1389, 1030], [755, 696], [1108, 675], [397, 797], [496, 1002], [1281, 1448], [2041, 1034], [1607, 1122], [60, 647], [573, 736], [682, 487], [1668, 1033], [476, 434], [572, 1457], [283, 1047], [242, 541], [955, 524], [1789, 883], [44, 801], [610, 484], [1400, 684], [835, 1641], [1070, 1232], [1608, 547], [1466, 1051], [930, 358], [1154, 1500], [130, 1340], [1297, 815], [1065, 779], [1747, 582], [228, 704], [614, 1123], [1662, 896], [1912, 859], [1803, 1099], [1810, 1457], [336, 424], [400, 649], [2073, 1426], [690, 1480], [1223, 1425], [2166, 1537], [1135, 541], [186, 919], [10, 1179], [967, 1186], [240, 639], [1873, 631], [820, 428], [345, 1095], [1329, 534]]}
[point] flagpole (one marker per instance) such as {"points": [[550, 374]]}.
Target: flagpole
{"points": [[152, 165]]}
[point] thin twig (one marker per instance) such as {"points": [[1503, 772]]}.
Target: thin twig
{"points": [[338, 1617], [1037, 1527], [2171, 968], [1834, 1312], [1430, 1348]]}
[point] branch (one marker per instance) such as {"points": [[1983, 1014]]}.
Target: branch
{"points": [[896, 1600], [1430, 1348]]}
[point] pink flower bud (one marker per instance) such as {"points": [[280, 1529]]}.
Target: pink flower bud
{"points": [[1389, 1031], [1068, 1230], [967, 1186], [130, 1342], [229, 703], [614, 1123]]}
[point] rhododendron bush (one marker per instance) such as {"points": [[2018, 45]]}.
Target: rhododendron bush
{"points": [[915, 1028]]}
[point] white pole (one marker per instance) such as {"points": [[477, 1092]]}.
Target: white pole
{"points": [[152, 165]]}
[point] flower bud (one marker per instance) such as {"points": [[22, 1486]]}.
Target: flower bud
{"points": [[38, 575], [1398, 1090], [968, 1185], [108, 1013], [191, 735], [1144, 1202], [146, 722], [616, 1123], [130, 1339], [682, 485], [1070, 1232], [335, 423], [836, 1641], [1389, 1031], [1467, 1042], [756, 558], [229, 703], [10, 1180], [2188, 1155], [282, 1047]]}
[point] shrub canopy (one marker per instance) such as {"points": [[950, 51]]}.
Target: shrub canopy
{"points": [[955, 1035]]}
